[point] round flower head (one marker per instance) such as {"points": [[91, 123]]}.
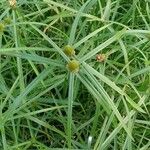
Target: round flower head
{"points": [[73, 66], [69, 50], [101, 57]]}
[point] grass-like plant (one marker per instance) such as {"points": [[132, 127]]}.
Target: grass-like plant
{"points": [[74, 74]]}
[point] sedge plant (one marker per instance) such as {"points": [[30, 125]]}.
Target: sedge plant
{"points": [[74, 74]]}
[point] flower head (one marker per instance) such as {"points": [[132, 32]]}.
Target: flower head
{"points": [[69, 50], [101, 57], [12, 3], [73, 66], [2, 27]]}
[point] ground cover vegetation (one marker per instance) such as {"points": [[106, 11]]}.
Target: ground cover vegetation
{"points": [[74, 74]]}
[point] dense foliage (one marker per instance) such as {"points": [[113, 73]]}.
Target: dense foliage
{"points": [[74, 74]]}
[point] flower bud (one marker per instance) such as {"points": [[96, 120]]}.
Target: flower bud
{"points": [[69, 50], [73, 66]]}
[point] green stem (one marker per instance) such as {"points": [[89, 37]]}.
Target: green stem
{"points": [[70, 105], [19, 62]]}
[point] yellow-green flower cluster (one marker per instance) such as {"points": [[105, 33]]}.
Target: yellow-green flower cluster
{"points": [[69, 50], [73, 66]]}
